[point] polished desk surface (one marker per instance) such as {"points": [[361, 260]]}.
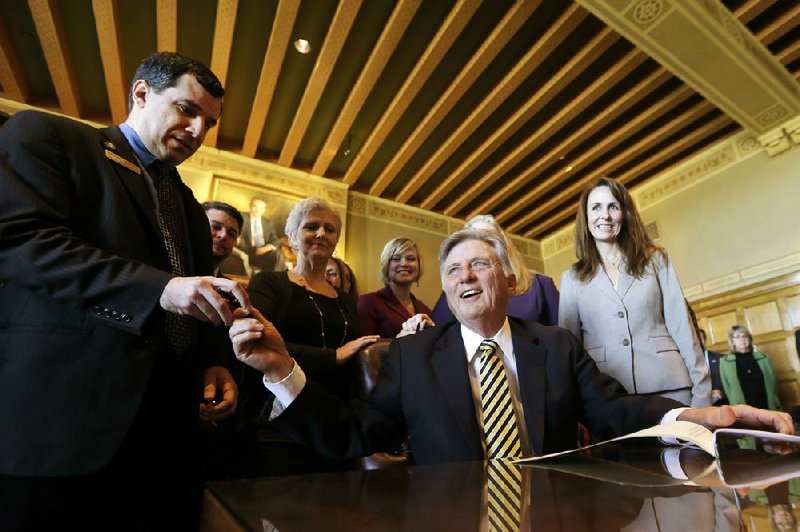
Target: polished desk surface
{"points": [[452, 497]]}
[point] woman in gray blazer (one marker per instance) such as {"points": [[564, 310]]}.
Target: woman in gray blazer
{"points": [[623, 300]]}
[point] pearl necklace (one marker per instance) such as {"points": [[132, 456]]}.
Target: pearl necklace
{"points": [[322, 319]]}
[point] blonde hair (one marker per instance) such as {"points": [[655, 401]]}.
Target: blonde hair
{"points": [[398, 246], [517, 264]]}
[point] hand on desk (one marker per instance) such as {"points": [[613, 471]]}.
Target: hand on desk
{"points": [[258, 344], [717, 417], [219, 395]]}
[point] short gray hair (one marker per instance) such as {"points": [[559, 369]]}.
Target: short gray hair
{"points": [[524, 277], [494, 239], [302, 209]]}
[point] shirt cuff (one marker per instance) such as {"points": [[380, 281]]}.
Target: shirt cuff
{"points": [[285, 390], [669, 417]]}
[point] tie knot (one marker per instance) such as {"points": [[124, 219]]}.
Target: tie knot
{"points": [[157, 170], [488, 348]]}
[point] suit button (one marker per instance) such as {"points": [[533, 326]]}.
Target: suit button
{"points": [[626, 342], [620, 314], [127, 318], [98, 310]]}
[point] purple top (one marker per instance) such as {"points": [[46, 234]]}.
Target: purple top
{"points": [[382, 313], [540, 304]]}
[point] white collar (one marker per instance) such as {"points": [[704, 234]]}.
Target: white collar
{"points": [[472, 340]]}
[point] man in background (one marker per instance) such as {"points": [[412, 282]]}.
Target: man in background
{"points": [[226, 225], [109, 311], [259, 239], [712, 359]]}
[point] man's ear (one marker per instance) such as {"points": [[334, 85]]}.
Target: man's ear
{"points": [[512, 284], [139, 91]]}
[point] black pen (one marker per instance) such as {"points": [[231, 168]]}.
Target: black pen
{"points": [[419, 326]]}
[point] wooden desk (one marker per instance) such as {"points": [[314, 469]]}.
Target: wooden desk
{"points": [[450, 497]]}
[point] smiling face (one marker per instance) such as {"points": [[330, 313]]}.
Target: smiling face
{"points": [[317, 236], [224, 232], [173, 123], [404, 267], [604, 215], [478, 299]]}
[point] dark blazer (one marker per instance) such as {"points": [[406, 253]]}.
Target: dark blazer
{"points": [[83, 267], [424, 390], [245, 238], [381, 313]]}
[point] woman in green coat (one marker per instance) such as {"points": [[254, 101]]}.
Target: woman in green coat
{"points": [[747, 375]]}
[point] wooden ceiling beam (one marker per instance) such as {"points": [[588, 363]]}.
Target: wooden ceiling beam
{"points": [[273, 58], [221, 51], [750, 10], [328, 56], [450, 29], [780, 26], [554, 37], [789, 54], [49, 28], [547, 184], [482, 58], [387, 43], [631, 149], [550, 129], [384, 49], [107, 26], [685, 142], [12, 76], [167, 25]]}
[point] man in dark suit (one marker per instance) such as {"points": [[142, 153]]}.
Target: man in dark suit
{"points": [[108, 309], [259, 239], [429, 386], [712, 359]]}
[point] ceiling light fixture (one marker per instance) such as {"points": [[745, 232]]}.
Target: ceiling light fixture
{"points": [[302, 46]]}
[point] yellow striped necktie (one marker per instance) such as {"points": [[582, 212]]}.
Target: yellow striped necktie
{"points": [[499, 421]]}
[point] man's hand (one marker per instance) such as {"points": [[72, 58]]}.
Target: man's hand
{"points": [[717, 417], [258, 344], [200, 298], [414, 324], [219, 395]]}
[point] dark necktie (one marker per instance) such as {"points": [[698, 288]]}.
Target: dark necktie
{"points": [[499, 421], [178, 328]]}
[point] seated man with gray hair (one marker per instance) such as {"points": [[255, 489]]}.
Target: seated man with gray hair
{"points": [[485, 386]]}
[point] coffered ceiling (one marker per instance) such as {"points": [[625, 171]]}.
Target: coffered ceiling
{"points": [[460, 107]]}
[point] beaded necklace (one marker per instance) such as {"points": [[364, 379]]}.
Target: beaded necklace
{"points": [[322, 319]]}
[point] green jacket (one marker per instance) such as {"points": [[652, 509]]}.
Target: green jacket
{"points": [[730, 380]]}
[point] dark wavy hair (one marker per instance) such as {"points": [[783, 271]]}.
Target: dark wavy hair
{"points": [[230, 210], [161, 70], [633, 240]]}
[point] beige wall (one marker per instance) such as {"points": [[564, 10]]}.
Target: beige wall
{"points": [[728, 218]]}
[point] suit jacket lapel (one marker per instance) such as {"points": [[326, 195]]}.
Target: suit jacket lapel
{"points": [[531, 360], [625, 280], [601, 282], [392, 302], [134, 183], [450, 367]]}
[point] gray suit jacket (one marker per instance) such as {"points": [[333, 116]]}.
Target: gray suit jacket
{"points": [[640, 333]]}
